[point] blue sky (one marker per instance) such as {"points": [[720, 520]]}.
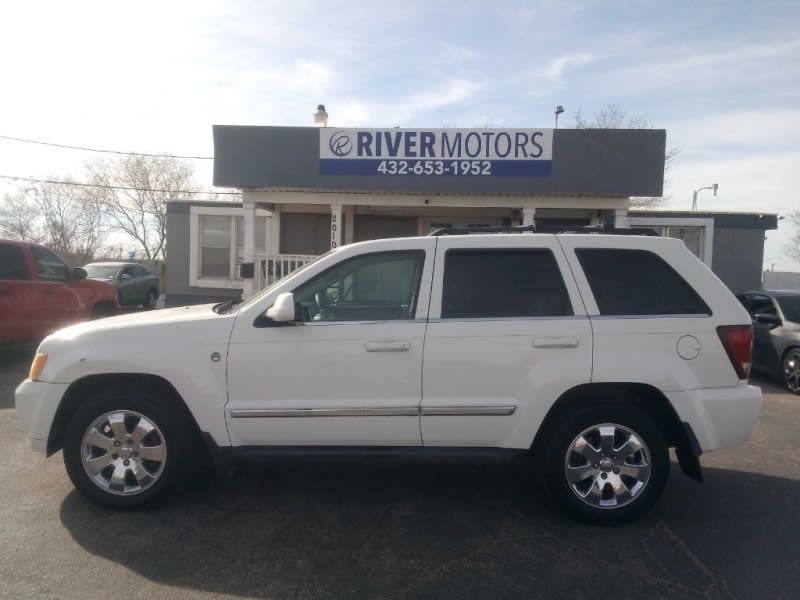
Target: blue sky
{"points": [[722, 77]]}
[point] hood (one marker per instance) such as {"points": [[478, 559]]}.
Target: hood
{"points": [[122, 324], [146, 342]]}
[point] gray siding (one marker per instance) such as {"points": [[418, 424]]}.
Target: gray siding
{"points": [[738, 257], [176, 266], [598, 162]]}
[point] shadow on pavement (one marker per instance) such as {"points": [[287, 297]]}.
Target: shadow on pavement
{"points": [[448, 528]]}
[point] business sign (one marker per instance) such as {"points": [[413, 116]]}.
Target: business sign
{"points": [[436, 152]]}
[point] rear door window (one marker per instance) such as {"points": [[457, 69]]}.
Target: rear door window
{"points": [[637, 282], [503, 283], [12, 263]]}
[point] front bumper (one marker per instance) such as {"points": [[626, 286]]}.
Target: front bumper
{"points": [[36, 404], [719, 417]]}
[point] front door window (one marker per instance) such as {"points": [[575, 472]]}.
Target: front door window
{"points": [[372, 287]]}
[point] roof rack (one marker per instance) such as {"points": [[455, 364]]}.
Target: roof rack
{"points": [[604, 229]]}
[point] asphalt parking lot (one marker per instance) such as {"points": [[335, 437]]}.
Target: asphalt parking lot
{"points": [[403, 529]]}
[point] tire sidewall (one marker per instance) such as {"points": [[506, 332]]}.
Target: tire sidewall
{"points": [[151, 305], [152, 406], [562, 436], [782, 370]]}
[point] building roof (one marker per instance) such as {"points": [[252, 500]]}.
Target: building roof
{"points": [[724, 219]]}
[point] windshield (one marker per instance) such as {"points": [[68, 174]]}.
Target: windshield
{"points": [[101, 271], [257, 296], [790, 305]]}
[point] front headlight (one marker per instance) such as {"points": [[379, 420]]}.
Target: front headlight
{"points": [[37, 366]]}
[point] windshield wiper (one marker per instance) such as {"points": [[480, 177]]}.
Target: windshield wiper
{"points": [[224, 307]]}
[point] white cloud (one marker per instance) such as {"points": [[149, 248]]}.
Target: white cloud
{"points": [[737, 132], [556, 68], [677, 65]]}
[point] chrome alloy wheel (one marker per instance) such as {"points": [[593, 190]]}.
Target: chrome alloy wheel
{"points": [[607, 466], [123, 452], [791, 370]]}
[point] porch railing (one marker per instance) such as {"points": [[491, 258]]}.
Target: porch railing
{"points": [[269, 268]]}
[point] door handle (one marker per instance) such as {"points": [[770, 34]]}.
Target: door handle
{"points": [[388, 346], [555, 342]]}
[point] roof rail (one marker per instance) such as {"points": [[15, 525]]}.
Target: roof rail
{"points": [[546, 229]]}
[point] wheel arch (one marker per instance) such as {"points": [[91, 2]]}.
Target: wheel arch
{"points": [[648, 399], [81, 388]]}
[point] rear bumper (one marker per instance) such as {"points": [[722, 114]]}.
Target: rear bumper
{"points": [[36, 404], [719, 417]]}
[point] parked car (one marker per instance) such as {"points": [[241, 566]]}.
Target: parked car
{"points": [[596, 353], [39, 293], [776, 333], [136, 284]]}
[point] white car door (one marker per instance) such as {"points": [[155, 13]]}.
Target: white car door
{"points": [[508, 334], [348, 371]]}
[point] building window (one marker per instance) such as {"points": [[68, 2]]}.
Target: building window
{"points": [[217, 245], [691, 236], [696, 233]]}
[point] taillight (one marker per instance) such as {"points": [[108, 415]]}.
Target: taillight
{"points": [[738, 343]]}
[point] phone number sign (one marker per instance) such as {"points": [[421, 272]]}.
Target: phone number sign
{"points": [[436, 152]]}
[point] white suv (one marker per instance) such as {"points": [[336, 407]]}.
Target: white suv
{"points": [[597, 353]]}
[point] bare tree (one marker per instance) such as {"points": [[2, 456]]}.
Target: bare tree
{"points": [[613, 116], [792, 249], [19, 218], [62, 216], [133, 192]]}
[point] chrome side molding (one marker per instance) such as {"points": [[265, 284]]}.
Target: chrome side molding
{"points": [[453, 411], [467, 411], [245, 413]]}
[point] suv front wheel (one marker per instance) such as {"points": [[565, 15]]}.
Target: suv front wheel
{"points": [[126, 447], [605, 464]]}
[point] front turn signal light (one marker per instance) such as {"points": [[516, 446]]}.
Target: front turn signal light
{"points": [[37, 366]]}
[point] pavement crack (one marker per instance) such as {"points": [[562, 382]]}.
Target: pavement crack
{"points": [[716, 580]]}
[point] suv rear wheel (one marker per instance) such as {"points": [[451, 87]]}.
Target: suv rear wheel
{"points": [[605, 464], [125, 448]]}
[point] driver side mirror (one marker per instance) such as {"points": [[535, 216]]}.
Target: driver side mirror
{"points": [[766, 319], [78, 273], [283, 309]]}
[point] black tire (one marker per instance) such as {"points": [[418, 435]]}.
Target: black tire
{"points": [[102, 310], [557, 456], [170, 430], [151, 300]]}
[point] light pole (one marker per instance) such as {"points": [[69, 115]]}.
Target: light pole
{"points": [[714, 187], [321, 116], [559, 110]]}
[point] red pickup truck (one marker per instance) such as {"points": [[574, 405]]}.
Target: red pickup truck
{"points": [[40, 294]]}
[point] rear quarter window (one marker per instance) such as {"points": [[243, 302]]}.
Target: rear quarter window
{"points": [[637, 282]]}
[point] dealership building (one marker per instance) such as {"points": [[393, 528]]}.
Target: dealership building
{"points": [[306, 190]]}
